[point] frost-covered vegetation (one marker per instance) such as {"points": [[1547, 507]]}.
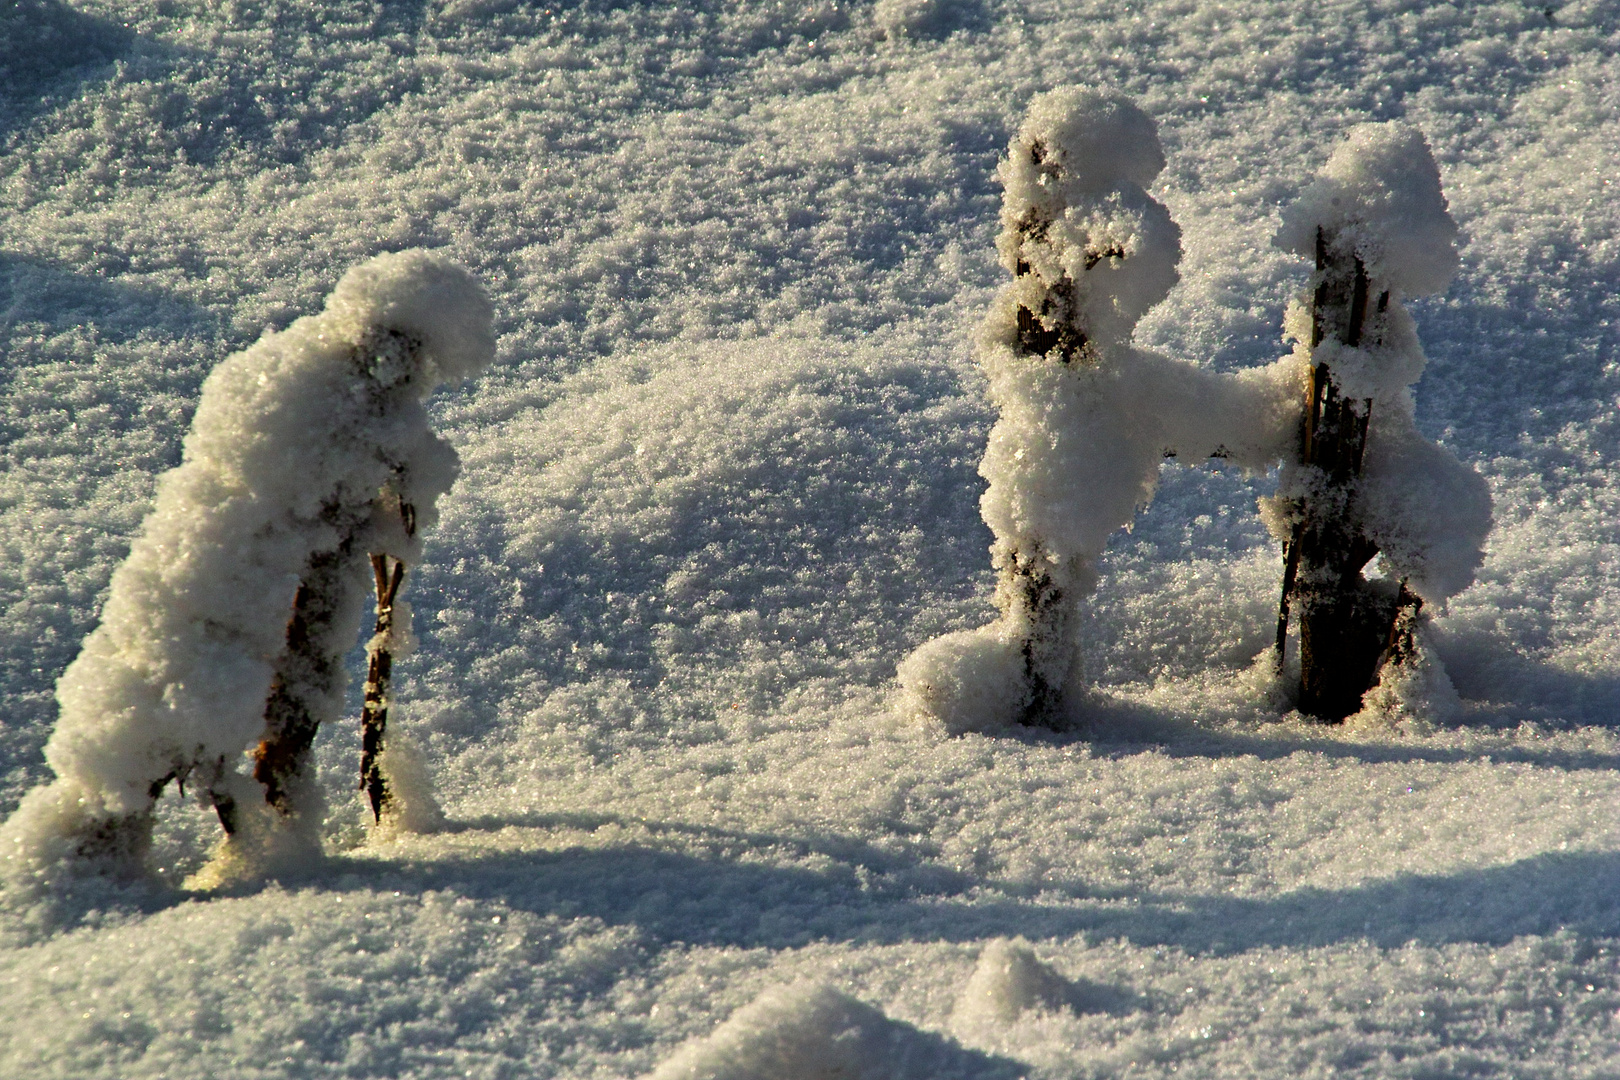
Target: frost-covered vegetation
{"points": [[1364, 481], [721, 474], [1084, 419], [225, 630]]}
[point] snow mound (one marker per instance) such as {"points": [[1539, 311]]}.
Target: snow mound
{"points": [[972, 680], [812, 1031], [1008, 982]]}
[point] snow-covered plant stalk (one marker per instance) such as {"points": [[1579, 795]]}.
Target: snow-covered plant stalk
{"points": [[1090, 252], [1364, 481], [1085, 418], [379, 675], [225, 628]]}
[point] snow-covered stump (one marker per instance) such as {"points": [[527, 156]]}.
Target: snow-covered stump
{"points": [[1364, 481], [224, 630], [1085, 417], [1344, 619]]}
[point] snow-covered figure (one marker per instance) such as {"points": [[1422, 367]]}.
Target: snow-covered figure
{"points": [[1364, 481], [1085, 417], [225, 628]]}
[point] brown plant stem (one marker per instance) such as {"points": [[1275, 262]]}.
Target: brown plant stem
{"points": [[308, 670], [1344, 619], [379, 674]]}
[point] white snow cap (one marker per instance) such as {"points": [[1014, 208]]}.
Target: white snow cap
{"points": [[1075, 207], [1380, 196], [426, 296], [1100, 139]]}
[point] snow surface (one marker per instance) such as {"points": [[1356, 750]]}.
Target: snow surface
{"points": [[721, 478]]}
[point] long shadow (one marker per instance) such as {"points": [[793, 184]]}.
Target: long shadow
{"points": [[1190, 741], [743, 899], [1542, 894], [677, 896], [216, 100], [833, 845], [1119, 728], [47, 48], [97, 384], [880, 897], [1488, 668]]}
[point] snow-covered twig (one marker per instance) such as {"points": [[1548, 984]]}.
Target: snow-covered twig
{"points": [[379, 675], [1085, 417]]}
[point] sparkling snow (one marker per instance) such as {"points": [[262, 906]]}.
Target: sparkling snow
{"points": [[721, 479]]}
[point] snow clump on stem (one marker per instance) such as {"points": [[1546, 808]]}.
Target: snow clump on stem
{"points": [[1086, 418], [1364, 481], [225, 628]]}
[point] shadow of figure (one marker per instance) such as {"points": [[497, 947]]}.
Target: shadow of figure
{"points": [[1487, 667], [97, 384], [867, 896], [1540, 895], [1117, 727], [743, 892], [46, 45]]}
